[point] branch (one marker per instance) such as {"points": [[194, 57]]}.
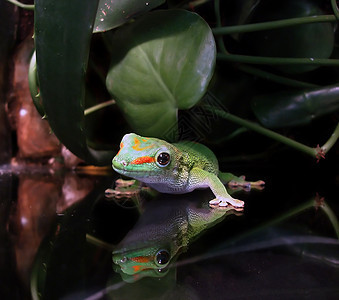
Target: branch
{"points": [[317, 152], [273, 24], [22, 5]]}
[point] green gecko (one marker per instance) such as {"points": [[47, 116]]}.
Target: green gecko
{"points": [[162, 232], [176, 168]]}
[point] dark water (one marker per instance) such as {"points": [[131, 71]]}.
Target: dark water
{"points": [[58, 231]]}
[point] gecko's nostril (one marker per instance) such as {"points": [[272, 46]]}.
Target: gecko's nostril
{"points": [[124, 163]]}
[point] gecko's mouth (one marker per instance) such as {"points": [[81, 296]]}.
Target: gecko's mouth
{"points": [[124, 170], [119, 166]]}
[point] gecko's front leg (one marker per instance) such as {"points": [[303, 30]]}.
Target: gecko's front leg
{"points": [[201, 178]]}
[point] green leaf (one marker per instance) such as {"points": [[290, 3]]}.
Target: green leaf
{"points": [[63, 31], [34, 86], [160, 63], [112, 14], [284, 109]]}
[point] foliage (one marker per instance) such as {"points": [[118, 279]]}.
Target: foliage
{"points": [[155, 72], [161, 64]]}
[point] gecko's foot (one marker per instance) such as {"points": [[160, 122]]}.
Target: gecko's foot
{"points": [[225, 201], [259, 184], [124, 183], [123, 189], [120, 193], [109, 193], [215, 202]]}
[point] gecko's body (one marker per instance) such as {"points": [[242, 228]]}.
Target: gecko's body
{"points": [[174, 168]]}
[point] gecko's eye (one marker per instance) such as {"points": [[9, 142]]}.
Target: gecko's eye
{"points": [[162, 257], [163, 159]]}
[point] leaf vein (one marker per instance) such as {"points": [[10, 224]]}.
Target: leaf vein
{"points": [[157, 76]]}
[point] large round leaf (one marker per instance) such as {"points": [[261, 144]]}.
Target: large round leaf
{"points": [[160, 63], [113, 13]]}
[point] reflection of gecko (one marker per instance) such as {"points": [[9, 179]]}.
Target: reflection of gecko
{"points": [[164, 229], [175, 168]]}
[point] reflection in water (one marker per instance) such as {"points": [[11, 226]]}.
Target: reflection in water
{"points": [[39, 200], [164, 230], [169, 224], [74, 188], [243, 257], [31, 218]]}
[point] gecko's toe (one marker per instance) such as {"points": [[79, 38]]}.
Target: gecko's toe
{"points": [[247, 185], [214, 201], [223, 203], [237, 203]]}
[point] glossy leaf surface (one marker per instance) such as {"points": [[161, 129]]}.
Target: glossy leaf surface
{"points": [[160, 63], [299, 108], [63, 31], [34, 85], [113, 13]]}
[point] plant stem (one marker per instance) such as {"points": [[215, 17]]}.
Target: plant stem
{"points": [[22, 5], [249, 69], [335, 9], [219, 39], [97, 71], [263, 60], [261, 245], [275, 78], [314, 202], [332, 217], [264, 131], [231, 136], [235, 133], [98, 106], [188, 4], [273, 24], [331, 141], [100, 243]]}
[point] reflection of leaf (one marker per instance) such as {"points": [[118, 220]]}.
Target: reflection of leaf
{"points": [[160, 63], [113, 13], [63, 260]]}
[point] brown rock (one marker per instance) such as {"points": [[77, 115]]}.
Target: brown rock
{"points": [[34, 136]]}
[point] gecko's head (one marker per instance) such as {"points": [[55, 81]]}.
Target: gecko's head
{"points": [[151, 259], [141, 157]]}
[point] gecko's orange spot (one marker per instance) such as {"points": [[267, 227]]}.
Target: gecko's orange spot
{"points": [[142, 160], [136, 268], [121, 146], [141, 259], [137, 145]]}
